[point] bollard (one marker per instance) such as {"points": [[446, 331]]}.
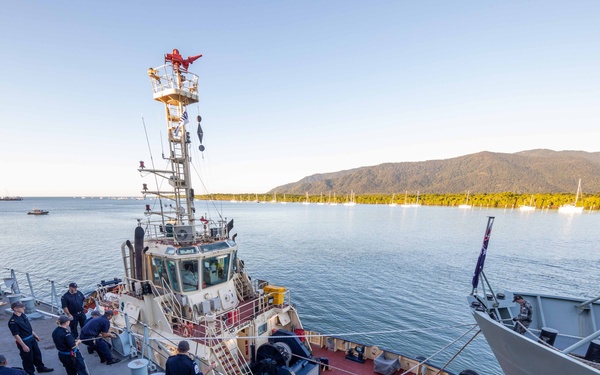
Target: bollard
{"points": [[30, 310], [138, 366]]}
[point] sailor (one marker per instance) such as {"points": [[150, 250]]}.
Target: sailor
{"points": [[182, 363], [72, 305], [68, 353], [26, 339], [97, 329], [523, 320], [4, 370]]}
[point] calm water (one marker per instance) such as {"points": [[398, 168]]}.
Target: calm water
{"points": [[362, 269]]}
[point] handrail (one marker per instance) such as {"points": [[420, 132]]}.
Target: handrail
{"points": [[588, 302]]}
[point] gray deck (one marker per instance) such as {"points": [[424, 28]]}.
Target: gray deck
{"points": [[44, 327]]}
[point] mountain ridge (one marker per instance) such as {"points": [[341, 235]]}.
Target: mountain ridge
{"points": [[529, 171]]}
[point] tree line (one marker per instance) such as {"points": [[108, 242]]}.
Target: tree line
{"points": [[493, 200]]}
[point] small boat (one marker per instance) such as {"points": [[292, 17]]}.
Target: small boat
{"points": [[306, 201], [529, 207], [37, 211], [562, 337], [350, 201], [392, 203], [573, 208], [466, 204], [406, 204]]}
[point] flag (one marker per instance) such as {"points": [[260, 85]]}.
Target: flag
{"points": [[183, 120], [481, 259]]}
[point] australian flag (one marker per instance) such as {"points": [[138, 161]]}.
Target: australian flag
{"points": [[481, 259]]}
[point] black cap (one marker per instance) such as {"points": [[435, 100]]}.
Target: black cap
{"points": [[16, 304], [516, 297], [183, 346], [109, 313], [95, 313], [73, 285], [2, 359], [63, 319]]}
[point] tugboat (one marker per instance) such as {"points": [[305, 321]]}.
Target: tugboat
{"points": [[183, 279]]}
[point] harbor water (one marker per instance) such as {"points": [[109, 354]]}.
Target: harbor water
{"points": [[391, 276]]}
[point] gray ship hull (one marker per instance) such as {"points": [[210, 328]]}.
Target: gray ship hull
{"points": [[520, 355]]}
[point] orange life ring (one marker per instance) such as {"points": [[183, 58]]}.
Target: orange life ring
{"points": [[186, 329]]}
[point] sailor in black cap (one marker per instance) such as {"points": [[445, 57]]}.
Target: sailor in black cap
{"points": [[181, 363], [72, 305], [26, 339], [4, 370], [68, 353], [523, 320], [97, 329]]}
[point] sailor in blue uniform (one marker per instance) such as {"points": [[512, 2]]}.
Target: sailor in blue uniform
{"points": [[181, 363], [68, 353], [26, 339], [525, 315], [72, 305], [9, 370], [97, 329]]}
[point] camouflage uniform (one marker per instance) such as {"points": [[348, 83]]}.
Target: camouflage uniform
{"points": [[524, 317]]}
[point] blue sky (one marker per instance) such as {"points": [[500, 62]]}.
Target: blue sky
{"points": [[289, 89]]}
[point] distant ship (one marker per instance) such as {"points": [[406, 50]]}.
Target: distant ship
{"points": [[11, 198]]}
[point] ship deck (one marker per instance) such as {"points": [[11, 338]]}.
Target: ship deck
{"points": [[43, 327], [338, 364]]}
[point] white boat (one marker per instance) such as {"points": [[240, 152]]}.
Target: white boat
{"points": [[283, 201], [573, 208], [407, 204], [466, 204], [562, 337], [392, 203], [332, 202], [274, 200], [320, 202], [350, 201], [306, 201], [529, 207]]}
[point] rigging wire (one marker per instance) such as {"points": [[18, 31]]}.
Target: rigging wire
{"points": [[159, 196]]}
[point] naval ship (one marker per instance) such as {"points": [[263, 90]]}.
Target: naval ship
{"points": [[561, 339]]}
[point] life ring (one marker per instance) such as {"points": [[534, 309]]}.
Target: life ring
{"points": [[186, 329], [374, 351]]}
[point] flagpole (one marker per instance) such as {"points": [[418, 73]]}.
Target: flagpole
{"points": [[482, 254]]}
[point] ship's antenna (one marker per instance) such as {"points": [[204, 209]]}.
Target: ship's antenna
{"points": [[153, 167]]}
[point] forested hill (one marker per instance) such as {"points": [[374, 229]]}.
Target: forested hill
{"points": [[533, 171]]}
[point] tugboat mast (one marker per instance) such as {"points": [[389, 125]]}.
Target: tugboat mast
{"points": [[176, 88]]}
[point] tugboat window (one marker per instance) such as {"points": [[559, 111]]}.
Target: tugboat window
{"points": [[215, 270], [172, 271], [159, 272], [189, 275]]}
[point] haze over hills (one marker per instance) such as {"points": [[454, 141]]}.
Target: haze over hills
{"points": [[532, 171]]}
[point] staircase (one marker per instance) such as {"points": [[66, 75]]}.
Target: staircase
{"points": [[225, 358]]}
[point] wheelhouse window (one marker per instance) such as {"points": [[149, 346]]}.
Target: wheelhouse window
{"points": [[172, 272], [159, 272], [188, 269], [215, 270]]}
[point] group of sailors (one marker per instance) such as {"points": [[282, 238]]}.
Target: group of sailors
{"points": [[67, 339], [65, 336]]}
